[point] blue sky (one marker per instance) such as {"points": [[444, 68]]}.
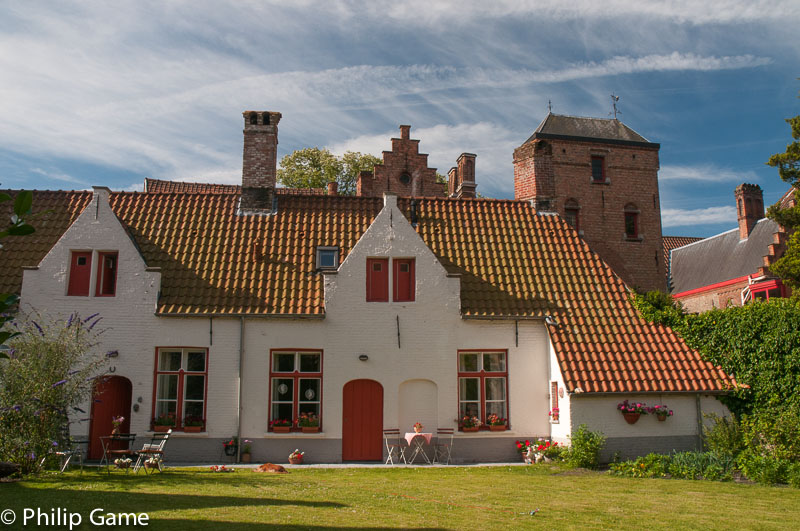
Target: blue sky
{"points": [[108, 93]]}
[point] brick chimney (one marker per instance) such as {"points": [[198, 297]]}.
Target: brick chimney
{"points": [[461, 179], [260, 159], [749, 207], [333, 188]]}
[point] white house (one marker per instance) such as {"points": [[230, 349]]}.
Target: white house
{"points": [[244, 306]]}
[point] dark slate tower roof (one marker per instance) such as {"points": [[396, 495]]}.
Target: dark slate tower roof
{"points": [[607, 130]]}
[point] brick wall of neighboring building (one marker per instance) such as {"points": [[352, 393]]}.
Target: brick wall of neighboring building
{"points": [[404, 171], [552, 172]]}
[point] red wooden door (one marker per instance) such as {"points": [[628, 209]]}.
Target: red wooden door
{"points": [[362, 421], [111, 398]]}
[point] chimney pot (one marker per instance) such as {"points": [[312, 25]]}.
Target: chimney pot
{"points": [[259, 159], [405, 132], [749, 207], [333, 188]]}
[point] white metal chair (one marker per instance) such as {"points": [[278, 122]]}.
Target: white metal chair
{"points": [[155, 448], [394, 446], [442, 450]]}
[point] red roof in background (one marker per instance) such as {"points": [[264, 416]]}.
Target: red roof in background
{"points": [[157, 186], [513, 264], [53, 213]]}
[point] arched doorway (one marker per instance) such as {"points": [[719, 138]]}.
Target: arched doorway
{"points": [[418, 402], [362, 421], [111, 397]]}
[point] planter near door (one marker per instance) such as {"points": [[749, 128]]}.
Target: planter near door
{"points": [[162, 429], [230, 450], [631, 418], [474, 428]]}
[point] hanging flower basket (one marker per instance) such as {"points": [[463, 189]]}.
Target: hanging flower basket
{"points": [[631, 418]]}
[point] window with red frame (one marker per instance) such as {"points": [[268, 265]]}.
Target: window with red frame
{"points": [[377, 280], [295, 384], [770, 289], [598, 169], [482, 384], [181, 383], [106, 275], [631, 222], [403, 280], [80, 273]]}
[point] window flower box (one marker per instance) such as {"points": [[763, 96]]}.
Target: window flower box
{"points": [[310, 429], [499, 427], [281, 429]]}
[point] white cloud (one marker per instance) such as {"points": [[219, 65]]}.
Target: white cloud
{"points": [[58, 176], [461, 11], [676, 217], [705, 172]]}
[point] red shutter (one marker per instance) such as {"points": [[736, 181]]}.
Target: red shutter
{"points": [[404, 288], [106, 275], [377, 280], [80, 271]]}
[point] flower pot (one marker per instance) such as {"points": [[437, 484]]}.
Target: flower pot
{"points": [[295, 460], [310, 429], [162, 429], [192, 429], [281, 429], [245, 458], [631, 418], [122, 465], [473, 428], [150, 465], [115, 432], [230, 450], [501, 427], [661, 418], [417, 430]]}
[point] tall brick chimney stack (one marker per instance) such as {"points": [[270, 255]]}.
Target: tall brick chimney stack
{"points": [[749, 207], [466, 175], [260, 159]]}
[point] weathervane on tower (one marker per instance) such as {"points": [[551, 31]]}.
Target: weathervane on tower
{"points": [[614, 100]]}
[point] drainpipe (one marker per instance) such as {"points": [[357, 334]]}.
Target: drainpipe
{"points": [[239, 415]]}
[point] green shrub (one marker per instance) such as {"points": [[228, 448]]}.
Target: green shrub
{"points": [[775, 433], [793, 474], [688, 465], [764, 469], [725, 437], [585, 446], [649, 466]]}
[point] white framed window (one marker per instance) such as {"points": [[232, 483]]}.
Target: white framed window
{"points": [[327, 257]]}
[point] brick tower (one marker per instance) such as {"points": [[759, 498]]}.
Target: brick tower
{"points": [[749, 207], [602, 178]]}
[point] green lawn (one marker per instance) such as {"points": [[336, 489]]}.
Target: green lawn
{"points": [[430, 498]]}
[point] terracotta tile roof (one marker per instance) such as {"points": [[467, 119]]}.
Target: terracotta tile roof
{"points": [[157, 186], [673, 242], [513, 265], [53, 213]]}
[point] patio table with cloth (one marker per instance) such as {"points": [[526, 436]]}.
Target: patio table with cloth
{"points": [[418, 439]]}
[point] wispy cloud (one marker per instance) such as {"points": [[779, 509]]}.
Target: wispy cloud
{"points": [[705, 172], [675, 217], [58, 176]]}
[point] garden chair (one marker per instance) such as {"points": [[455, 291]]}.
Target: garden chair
{"points": [[394, 446], [155, 448], [71, 449], [443, 448]]}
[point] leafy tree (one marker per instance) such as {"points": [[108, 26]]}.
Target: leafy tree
{"points": [[759, 344], [315, 168], [16, 227], [788, 164], [50, 369]]}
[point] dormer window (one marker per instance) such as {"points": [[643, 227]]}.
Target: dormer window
{"points": [[80, 272], [327, 258]]}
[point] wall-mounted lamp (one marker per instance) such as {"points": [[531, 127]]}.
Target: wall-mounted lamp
{"points": [[136, 408], [363, 357], [112, 354]]}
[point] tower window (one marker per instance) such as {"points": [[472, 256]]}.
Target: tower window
{"points": [[253, 119], [405, 178], [265, 118], [632, 222], [571, 213], [598, 169]]}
